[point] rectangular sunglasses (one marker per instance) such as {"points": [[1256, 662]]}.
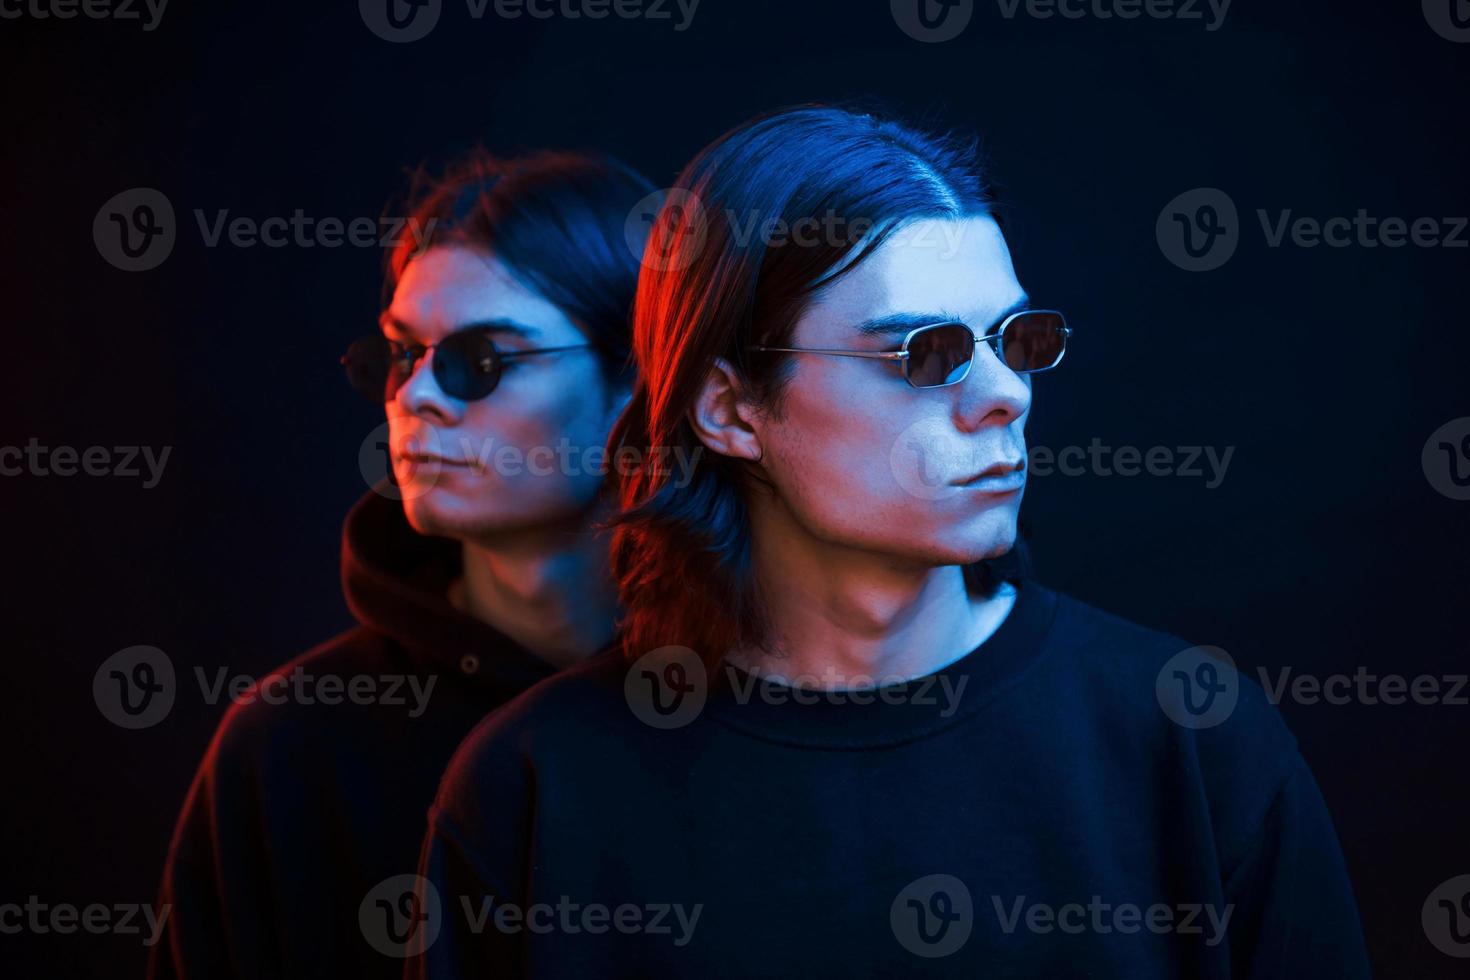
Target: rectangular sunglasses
{"points": [[940, 354]]}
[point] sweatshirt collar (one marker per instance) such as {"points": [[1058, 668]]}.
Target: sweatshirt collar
{"points": [[897, 713]]}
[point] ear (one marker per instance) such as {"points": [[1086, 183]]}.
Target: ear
{"points": [[723, 415]]}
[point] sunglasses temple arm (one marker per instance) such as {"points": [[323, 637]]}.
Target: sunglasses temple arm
{"points": [[508, 354], [887, 355]]}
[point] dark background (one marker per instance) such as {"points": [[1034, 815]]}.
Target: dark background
{"points": [[1326, 548]]}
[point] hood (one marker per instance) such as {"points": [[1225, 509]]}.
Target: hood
{"points": [[396, 582]]}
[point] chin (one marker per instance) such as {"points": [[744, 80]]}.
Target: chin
{"points": [[991, 535], [440, 513], [470, 514]]}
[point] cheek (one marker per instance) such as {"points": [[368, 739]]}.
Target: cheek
{"points": [[533, 438], [830, 453], [873, 470], [539, 410]]}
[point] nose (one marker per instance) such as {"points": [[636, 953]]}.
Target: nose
{"points": [[421, 395], [992, 394]]}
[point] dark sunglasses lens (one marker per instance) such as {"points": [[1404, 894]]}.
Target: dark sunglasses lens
{"points": [[1034, 341], [939, 355], [367, 363], [467, 365]]}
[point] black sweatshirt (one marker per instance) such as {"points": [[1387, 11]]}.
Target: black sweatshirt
{"points": [[1029, 811], [300, 809]]}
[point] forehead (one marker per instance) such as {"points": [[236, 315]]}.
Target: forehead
{"points": [[957, 268], [449, 287]]}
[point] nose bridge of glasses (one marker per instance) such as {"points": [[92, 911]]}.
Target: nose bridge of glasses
{"points": [[992, 342], [996, 368], [419, 358]]}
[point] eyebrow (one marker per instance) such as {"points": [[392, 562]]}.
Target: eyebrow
{"points": [[897, 324], [389, 322]]}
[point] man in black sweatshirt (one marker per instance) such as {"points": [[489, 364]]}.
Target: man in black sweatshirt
{"points": [[840, 740], [501, 362]]}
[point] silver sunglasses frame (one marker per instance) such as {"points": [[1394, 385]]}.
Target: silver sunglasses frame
{"points": [[902, 354]]}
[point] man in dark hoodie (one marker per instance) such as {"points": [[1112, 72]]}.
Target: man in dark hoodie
{"points": [[501, 361]]}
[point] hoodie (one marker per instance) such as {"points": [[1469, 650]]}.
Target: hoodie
{"points": [[304, 812]]}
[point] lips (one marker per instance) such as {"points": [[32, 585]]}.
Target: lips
{"points": [[1002, 477], [996, 469], [423, 459]]}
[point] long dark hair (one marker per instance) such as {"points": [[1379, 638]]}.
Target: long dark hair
{"points": [[559, 220], [709, 288]]}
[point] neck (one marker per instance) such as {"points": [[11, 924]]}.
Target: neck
{"points": [[849, 617], [547, 588]]}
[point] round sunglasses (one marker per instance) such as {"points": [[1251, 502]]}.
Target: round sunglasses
{"points": [[467, 364], [940, 354]]}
